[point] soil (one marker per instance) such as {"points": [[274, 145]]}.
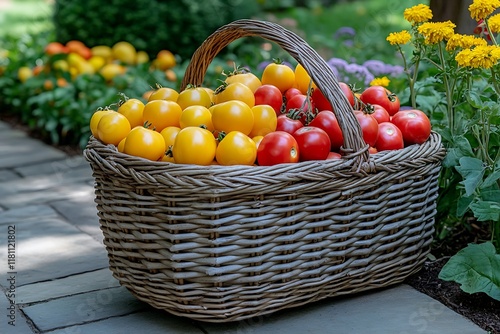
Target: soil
{"points": [[480, 308]]}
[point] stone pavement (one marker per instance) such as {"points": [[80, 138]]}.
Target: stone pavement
{"points": [[54, 272]]}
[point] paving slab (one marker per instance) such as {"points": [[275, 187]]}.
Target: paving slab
{"points": [[42, 196], [12, 321], [62, 167], [26, 151], [51, 248], [27, 213], [7, 175], [67, 286], [83, 308], [149, 322], [81, 211], [397, 310]]}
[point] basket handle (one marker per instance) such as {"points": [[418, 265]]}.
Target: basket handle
{"points": [[354, 146]]}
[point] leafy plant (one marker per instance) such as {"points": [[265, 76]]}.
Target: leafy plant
{"points": [[460, 94], [476, 268]]}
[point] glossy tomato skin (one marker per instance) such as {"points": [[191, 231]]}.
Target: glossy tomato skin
{"points": [[381, 96], [279, 75], [333, 156], [234, 91], [300, 107], [414, 125], [270, 95], [236, 148], [277, 147], [322, 103], [194, 145], [314, 143], [389, 137], [380, 114], [291, 92], [327, 121], [287, 124], [369, 127], [144, 143]]}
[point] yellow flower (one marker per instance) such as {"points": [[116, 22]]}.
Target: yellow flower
{"points": [[435, 32], [464, 42], [494, 23], [484, 56], [481, 9], [418, 14], [384, 82], [401, 37]]}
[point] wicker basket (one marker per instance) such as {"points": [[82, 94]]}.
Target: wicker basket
{"points": [[222, 243]]}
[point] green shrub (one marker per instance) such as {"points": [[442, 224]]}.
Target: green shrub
{"points": [[150, 25]]}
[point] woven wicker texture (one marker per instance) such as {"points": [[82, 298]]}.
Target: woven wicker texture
{"points": [[219, 244]]}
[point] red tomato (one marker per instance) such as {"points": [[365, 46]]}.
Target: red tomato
{"points": [[277, 147], [300, 107], [333, 155], [270, 95], [369, 127], [389, 137], [414, 125], [380, 114], [322, 103], [314, 143], [291, 92], [327, 121], [381, 96], [287, 124]]}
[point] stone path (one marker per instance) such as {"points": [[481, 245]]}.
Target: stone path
{"points": [[59, 281]]}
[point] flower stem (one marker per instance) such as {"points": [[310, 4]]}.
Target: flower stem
{"points": [[449, 91]]}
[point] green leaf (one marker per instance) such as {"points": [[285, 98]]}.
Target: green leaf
{"points": [[491, 179], [472, 170], [463, 205], [476, 268], [486, 210]]}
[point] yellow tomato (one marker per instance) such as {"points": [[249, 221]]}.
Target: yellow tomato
{"points": [[194, 145], [24, 73], [109, 71], [97, 62], [94, 120], [234, 91], [233, 116], [279, 75], [302, 79], [265, 120], [165, 60], [132, 109], [257, 140], [164, 93], [142, 57], [158, 114], [103, 51], [196, 116], [211, 93], [124, 52], [169, 134], [121, 145], [236, 148], [144, 143], [194, 96], [112, 128], [247, 78]]}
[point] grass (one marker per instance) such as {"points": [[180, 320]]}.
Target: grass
{"points": [[372, 20], [18, 17]]}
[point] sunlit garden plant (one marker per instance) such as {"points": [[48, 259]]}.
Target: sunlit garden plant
{"points": [[461, 97]]}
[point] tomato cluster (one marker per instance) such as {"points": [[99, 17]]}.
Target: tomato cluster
{"points": [[281, 117]]}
